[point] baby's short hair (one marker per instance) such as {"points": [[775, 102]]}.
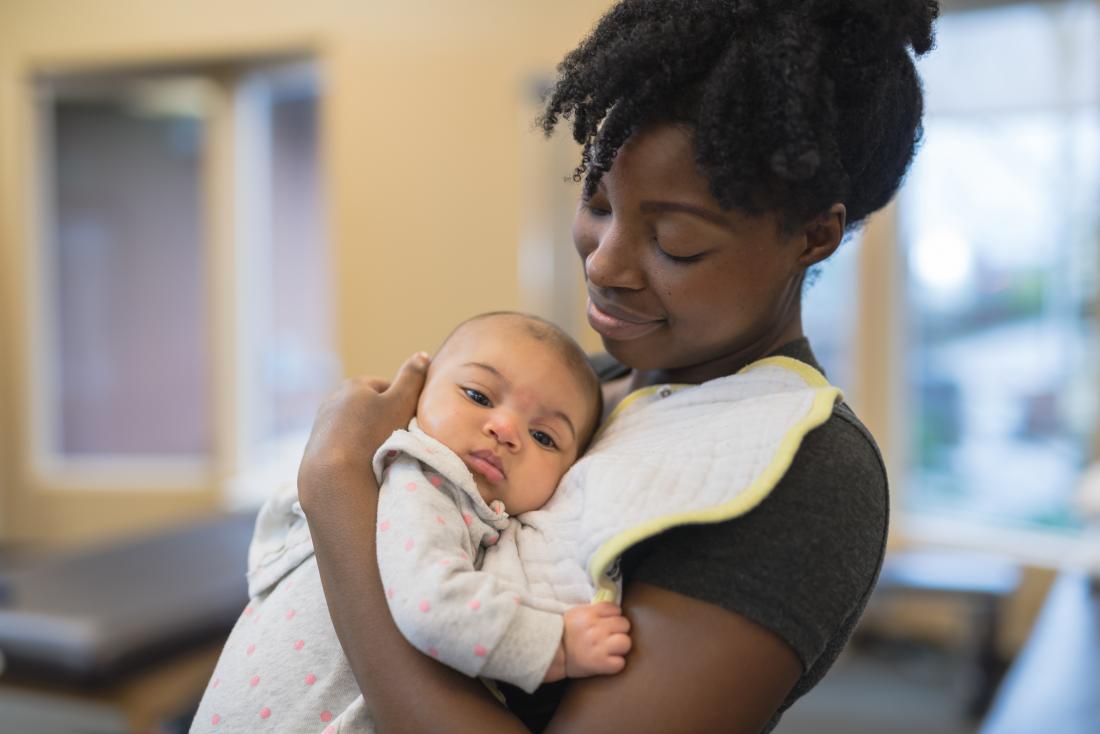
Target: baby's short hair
{"points": [[566, 347]]}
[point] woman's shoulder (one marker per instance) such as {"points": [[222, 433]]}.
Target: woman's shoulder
{"points": [[823, 527], [803, 563]]}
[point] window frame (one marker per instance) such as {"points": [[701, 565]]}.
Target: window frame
{"points": [[230, 253]]}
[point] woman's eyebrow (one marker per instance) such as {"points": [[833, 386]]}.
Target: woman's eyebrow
{"points": [[658, 207]]}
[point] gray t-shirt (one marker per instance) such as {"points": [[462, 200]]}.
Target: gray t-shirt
{"points": [[802, 564]]}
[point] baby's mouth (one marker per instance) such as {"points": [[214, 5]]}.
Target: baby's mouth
{"points": [[487, 464]]}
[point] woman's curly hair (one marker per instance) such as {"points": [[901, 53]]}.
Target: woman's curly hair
{"points": [[793, 104]]}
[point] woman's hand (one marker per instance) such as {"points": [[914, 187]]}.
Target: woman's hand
{"points": [[353, 422]]}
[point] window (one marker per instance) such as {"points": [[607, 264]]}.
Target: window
{"points": [[829, 304], [1000, 224], [183, 297], [126, 288]]}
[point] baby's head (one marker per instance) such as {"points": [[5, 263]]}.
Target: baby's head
{"points": [[516, 399]]}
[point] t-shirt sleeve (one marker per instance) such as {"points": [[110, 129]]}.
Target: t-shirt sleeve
{"points": [[803, 562]]}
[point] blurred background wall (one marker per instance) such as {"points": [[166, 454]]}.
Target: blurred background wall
{"points": [[423, 113]]}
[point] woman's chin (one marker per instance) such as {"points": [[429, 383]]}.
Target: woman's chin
{"points": [[636, 353]]}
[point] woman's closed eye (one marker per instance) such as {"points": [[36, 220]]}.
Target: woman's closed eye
{"points": [[595, 207], [678, 259], [477, 396]]}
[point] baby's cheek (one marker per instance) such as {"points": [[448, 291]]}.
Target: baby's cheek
{"points": [[553, 478], [435, 420]]}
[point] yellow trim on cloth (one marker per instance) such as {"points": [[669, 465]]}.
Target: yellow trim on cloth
{"points": [[819, 412]]}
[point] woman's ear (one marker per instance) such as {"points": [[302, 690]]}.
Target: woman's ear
{"points": [[822, 235]]}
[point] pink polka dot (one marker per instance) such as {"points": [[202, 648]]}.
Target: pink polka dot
{"points": [[409, 544], [425, 606], [444, 561], [248, 611], [390, 592], [433, 651], [290, 613], [326, 716], [436, 480], [439, 519], [250, 649], [216, 682], [492, 540], [474, 604], [480, 651], [464, 555], [383, 526], [330, 729], [299, 644], [215, 719], [411, 486], [265, 712], [467, 518], [311, 679], [517, 600], [255, 681]]}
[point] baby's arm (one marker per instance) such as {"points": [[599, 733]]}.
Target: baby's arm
{"points": [[595, 642], [468, 619]]}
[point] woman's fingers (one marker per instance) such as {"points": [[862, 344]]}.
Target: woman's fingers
{"points": [[408, 383], [356, 419], [376, 384]]}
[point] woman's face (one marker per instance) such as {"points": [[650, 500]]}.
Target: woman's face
{"points": [[675, 283]]}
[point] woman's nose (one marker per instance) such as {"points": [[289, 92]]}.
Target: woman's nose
{"points": [[503, 427], [611, 259]]}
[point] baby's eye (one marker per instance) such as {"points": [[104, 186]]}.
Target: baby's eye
{"points": [[477, 397], [544, 439]]}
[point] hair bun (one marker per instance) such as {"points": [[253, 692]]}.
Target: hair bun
{"points": [[915, 18], [882, 25]]}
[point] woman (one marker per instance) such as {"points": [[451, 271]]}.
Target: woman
{"points": [[728, 148]]}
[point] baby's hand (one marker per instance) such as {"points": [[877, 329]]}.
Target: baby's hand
{"points": [[595, 640]]}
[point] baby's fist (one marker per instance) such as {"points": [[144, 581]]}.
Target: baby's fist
{"points": [[596, 640]]}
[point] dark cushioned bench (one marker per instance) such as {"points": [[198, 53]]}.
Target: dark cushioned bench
{"points": [[89, 617]]}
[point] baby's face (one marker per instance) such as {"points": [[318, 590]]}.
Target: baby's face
{"points": [[511, 409]]}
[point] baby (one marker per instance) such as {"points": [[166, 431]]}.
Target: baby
{"points": [[508, 405]]}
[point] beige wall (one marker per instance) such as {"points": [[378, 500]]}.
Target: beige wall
{"points": [[424, 137]]}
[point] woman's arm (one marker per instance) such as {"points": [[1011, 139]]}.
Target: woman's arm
{"points": [[404, 690], [694, 667]]}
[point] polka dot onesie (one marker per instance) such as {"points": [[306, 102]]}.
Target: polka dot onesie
{"points": [[282, 668]]}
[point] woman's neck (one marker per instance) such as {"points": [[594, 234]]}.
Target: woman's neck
{"points": [[726, 364]]}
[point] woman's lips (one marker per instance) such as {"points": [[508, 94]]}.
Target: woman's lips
{"points": [[487, 465], [615, 324]]}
